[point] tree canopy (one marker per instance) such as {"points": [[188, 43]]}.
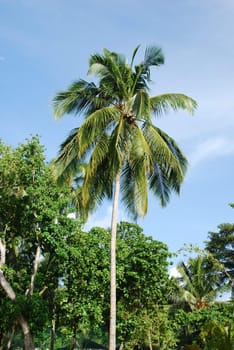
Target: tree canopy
{"points": [[221, 245], [33, 224]]}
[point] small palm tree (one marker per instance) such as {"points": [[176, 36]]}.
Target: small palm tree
{"points": [[125, 152], [216, 336], [199, 282]]}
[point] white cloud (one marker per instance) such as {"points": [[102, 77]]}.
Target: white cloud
{"points": [[212, 148]]}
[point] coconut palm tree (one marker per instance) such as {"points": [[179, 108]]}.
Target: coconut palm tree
{"points": [[198, 282], [125, 152]]}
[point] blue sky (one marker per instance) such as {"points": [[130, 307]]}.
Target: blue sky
{"points": [[46, 44]]}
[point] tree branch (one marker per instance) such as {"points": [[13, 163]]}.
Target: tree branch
{"points": [[35, 268], [2, 252], [6, 286]]}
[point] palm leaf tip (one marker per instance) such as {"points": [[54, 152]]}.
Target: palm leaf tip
{"points": [[172, 101], [134, 54], [58, 105], [190, 104], [153, 56]]}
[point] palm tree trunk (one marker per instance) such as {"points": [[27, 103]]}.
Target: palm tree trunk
{"points": [[112, 330]]}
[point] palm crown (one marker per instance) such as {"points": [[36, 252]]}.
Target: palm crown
{"points": [[199, 282], [118, 136]]}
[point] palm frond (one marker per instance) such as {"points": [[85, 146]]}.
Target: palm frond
{"points": [[97, 122], [118, 58], [96, 188], [175, 173], [134, 189], [98, 69], [160, 148], [81, 96], [140, 189], [111, 68], [153, 57], [162, 104], [117, 145], [66, 160], [134, 54], [158, 184], [176, 151], [96, 58], [135, 173], [127, 190], [99, 153], [141, 105], [134, 180], [169, 163]]}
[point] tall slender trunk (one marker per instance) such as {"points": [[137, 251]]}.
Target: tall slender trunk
{"points": [[52, 333], [112, 330]]}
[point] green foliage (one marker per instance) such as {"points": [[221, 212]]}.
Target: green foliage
{"points": [[82, 300], [142, 265], [221, 245], [217, 337], [149, 328], [85, 279], [33, 219], [71, 286], [142, 285], [192, 347], [189, 325]]}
